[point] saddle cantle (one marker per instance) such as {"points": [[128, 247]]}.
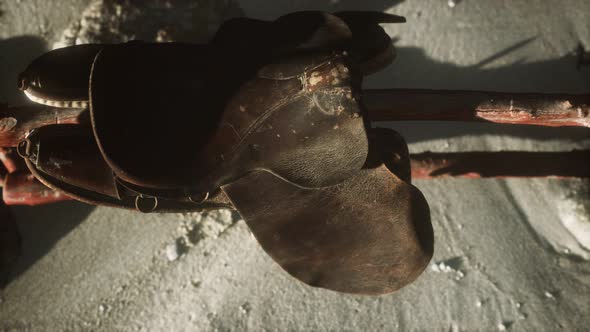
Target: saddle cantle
{"points": [[267, 119]]}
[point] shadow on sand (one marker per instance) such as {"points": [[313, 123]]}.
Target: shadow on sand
{"points": [[414, 69], [40, 227]]}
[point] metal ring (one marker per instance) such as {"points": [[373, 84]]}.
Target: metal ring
{"points": [[23, 83], [139, 206], [205, 197], [23, 149]]}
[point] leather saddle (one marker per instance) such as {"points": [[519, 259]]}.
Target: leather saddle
{"points": [[267, 119]]}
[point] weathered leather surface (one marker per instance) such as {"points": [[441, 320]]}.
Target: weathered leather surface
{"points": [[69, 153], [215, 128], [290, 67], [61, 74], [313, 137], [368, 235]]}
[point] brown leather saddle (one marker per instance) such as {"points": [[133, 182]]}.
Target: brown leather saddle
{"points": [[267, 119]]}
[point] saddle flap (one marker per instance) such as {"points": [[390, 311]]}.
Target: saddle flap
{"points": [[368, 235]]}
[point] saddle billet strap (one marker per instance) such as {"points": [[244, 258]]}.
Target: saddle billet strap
{"points": [[153, 204], [161, 205], [66, 158]]}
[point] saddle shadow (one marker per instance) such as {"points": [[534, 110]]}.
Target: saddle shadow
{"points": [[40, 227], [260, 9], [15, 54], [414, 69]]}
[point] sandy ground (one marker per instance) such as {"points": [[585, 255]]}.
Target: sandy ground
{"points": [[509, 254]]}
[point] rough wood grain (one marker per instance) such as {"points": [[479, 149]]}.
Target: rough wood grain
{"points": [[21, 188], [17, 122], [551, 110]]}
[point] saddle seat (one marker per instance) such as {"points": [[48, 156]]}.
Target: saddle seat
{"points": [[150, 103]]}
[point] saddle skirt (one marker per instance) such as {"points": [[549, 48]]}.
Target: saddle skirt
{"points": [[266, 119]]}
